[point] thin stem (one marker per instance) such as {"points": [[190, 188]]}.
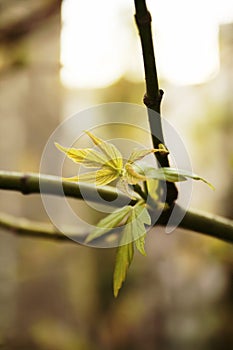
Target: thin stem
{"points": [[153, 96], [143, 21], [138, 189]]}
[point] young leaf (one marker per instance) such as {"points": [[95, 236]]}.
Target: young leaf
{"points": [[86, 156], [142, 213], [173, 175], [188, 174], [134, 232], [140, 244], [109, 222], [138, 219], [124, 257], [141, 153], [152, 186], [113, 154], [132, 176], [160, 174], [123, 186], [100, 177]]}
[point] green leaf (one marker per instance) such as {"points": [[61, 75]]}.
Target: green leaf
{"points": [[132, 176], [188, 174], [160, 174], [143, 214], [109, 222], [134, 232], [123, 186], [141, 153], [86, 156], [113, 154], [124, 257], [152, 186], [100, 177], [173, 175], [134, 228], [140, 244]]}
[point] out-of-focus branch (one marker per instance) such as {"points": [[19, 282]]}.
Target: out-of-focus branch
{"points": [[193, 221], [28, 228]]}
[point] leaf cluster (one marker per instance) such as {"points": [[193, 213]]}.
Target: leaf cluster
{"points": [[134, 179]]}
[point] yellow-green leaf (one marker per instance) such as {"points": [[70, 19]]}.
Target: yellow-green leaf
{"points": [[134, 232], [142, 213], [124, 257], [188, 174], [174, 175], [140, 244], [113, 154], [109, 222], [160, 174], [100, 177], [152, 186], [139, 217], [139, 154], [86, 156], [124, 187], [132, 176]]}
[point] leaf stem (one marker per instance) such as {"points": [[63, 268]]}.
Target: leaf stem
{"points": [[137, 188]]}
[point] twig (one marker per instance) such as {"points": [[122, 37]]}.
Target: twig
{"points": [[201, 222], [28, 228], [153, 96]]}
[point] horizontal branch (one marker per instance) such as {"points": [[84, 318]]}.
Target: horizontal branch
{"points": [[207, 224], [193, 220], [28, 228], [29, 183]]}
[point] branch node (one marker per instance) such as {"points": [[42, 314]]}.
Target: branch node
{"points": [[143, 20], [153, 103], [24, 184]]}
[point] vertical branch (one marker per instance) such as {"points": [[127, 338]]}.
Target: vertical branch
{"points": [[153, 96], [143, 21]]}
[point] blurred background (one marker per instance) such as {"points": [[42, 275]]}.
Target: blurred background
{"points": [[57, 58]]}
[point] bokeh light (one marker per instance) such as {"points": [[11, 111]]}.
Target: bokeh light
{"points": [[98, 49]]}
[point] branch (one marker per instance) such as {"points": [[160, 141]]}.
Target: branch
{"points": [[29, 183], [153, 96], [201, 222], [24, 227], [204, 223], [207, 224]]}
